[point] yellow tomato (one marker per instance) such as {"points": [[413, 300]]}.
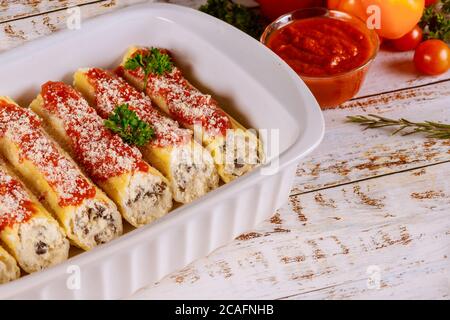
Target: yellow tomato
{"points": [[397, 17]]}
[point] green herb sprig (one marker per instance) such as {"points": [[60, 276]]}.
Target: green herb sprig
{"points": [[235, 14], [154, 62], [435, 21], [128, 126], [431, 129]]}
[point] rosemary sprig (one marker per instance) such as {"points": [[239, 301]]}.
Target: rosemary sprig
{"points": [[431, 129]]}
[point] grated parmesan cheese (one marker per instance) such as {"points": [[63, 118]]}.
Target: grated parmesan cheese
{"points": [[15, 203], [112, 91], [23, 128], [186, 103], [102, 153]]}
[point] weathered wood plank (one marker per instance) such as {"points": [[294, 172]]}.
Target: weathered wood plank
{"points": [[17, 9], [392, 71], [348, 153], [15, 33], [326, 244], [407, 286]]}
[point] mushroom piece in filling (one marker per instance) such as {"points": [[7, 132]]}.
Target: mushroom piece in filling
{"points": [[240, 152], [96, 222], [41, 244], [148, 198], [193, 173]]}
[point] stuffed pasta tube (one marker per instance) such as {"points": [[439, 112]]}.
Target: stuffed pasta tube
{"points": [[88, 217], [8, 267], [186, 164], [235, 150], [27, 230], [141, 193]]}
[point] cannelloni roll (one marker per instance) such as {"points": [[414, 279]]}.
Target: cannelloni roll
{"points": [[186, 164], [87, 215], [8, 267], [141, 193], [28, 231], [235, 149]]}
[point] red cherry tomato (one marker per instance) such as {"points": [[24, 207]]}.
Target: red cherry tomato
{"points": [[272, 9], [409, 41], [432, 57], [430, 2]]}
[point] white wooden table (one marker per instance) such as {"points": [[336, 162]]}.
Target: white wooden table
{"points": [[369, 213]]}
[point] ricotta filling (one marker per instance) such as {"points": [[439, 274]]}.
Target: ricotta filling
{"points": [[41, 244], [148, 198], [193, 171], [96, 222], [240, 152]]}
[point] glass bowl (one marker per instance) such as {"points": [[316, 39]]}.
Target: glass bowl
{"points": [[330, 90]]}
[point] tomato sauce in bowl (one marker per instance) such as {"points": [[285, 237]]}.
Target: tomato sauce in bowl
{"points": [[330, 50]]}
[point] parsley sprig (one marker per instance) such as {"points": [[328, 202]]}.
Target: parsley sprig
{"points": [[154, 62], [235, 14], [128, 126], [435, 21]]}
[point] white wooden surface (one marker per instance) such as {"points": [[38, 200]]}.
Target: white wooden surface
{"points": [[365, 206]]}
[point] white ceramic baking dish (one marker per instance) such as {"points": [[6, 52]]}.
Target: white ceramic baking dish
{"points": [[251, 82]]}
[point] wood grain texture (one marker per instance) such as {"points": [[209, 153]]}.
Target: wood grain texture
{"points": [[19, 9], [401, 65], [17, 32], [325, 245], [349, 153]]}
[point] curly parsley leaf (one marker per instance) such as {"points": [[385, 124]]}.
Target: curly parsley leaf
{"points": [[237, 15], [159, 62], [154, 62], [128, 126], [435, 21], [135, 62]]}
